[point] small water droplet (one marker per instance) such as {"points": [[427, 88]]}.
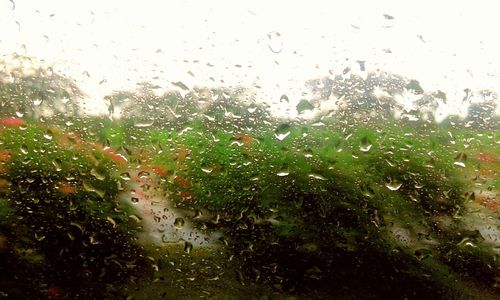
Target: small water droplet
{"points": [[188, 247], [365, 148], [284, 98], [37, 102], [367, 191], [393, 184], [57, 163], [125, 176], [366, 145], [460, 160], [179, 223], [275, 42], [110, 220], [24, 149], [48, 135], [89, 188], [143, 174], [134, 199], [135, 218], [97, 175], [197, 214], [39, 237], [284, 171], [317, 176], [144, 124], [207, 169]]}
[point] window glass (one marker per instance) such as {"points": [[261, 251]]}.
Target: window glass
{"points": [[234, 150]]}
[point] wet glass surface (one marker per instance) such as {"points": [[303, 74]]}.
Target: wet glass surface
{"points": [[248, 151]]}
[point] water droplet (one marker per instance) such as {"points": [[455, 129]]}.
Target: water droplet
{"points": [[303, 106], [317, 176], [393, 184], [79, 226], [135, 218], [275, 42], [48, 135], [281, 136], [97, 175], [460, 160], [197, 214], [207, 169], [24, 149], [39, 237], [144, 124], [367, 191], [110, 220], [94, 241], [37, 102], [179, 223], [181, 85], [365, 148], [89, 188], [125, 176], [284, 171], [188, 247], [134, 200], [143, 174], [57, 164], [365, 145], [282, 131]]}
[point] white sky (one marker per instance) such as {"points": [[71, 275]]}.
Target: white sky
{"points": [[125, 42]]}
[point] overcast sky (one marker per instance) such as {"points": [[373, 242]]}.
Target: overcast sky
{"points": [[277, 45]]}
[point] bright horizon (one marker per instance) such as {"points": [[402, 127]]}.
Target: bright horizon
{"points": [[445, 45]]}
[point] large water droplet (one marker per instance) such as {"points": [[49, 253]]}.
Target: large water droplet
{"points": [[281, 136], [303, 106], [282, 131]]}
